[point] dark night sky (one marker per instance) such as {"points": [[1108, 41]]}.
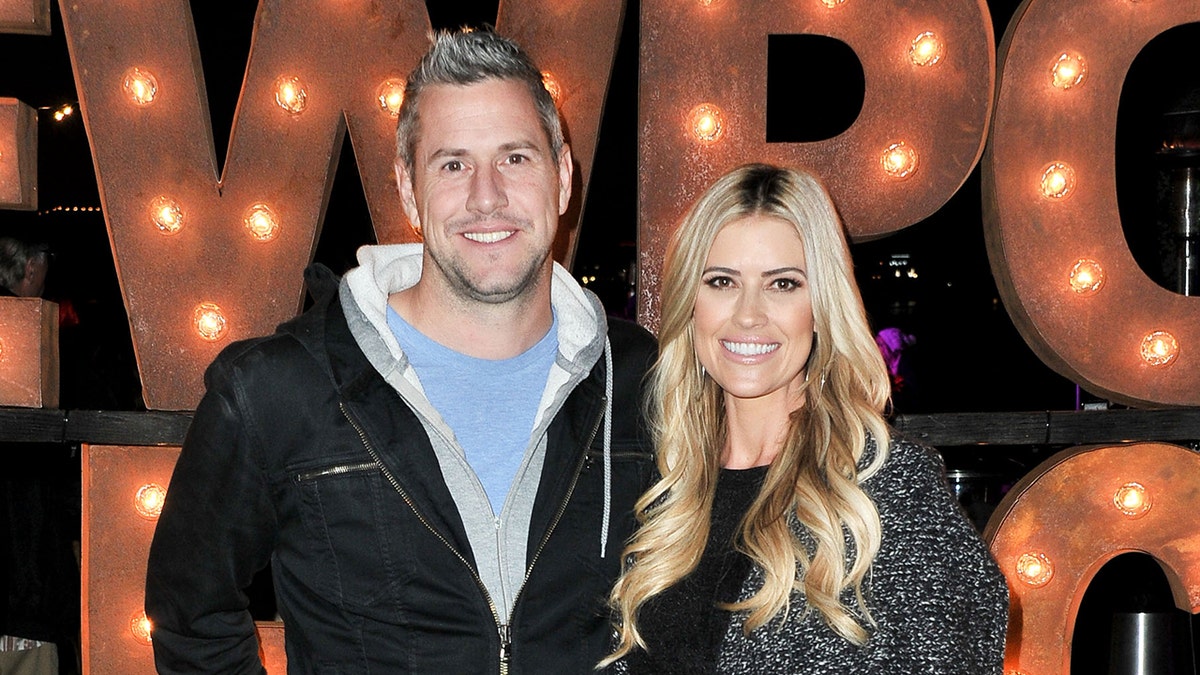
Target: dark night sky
{"points": [[968, 353]]}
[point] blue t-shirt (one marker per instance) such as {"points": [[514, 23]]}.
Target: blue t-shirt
{"points": [[489, 405]]}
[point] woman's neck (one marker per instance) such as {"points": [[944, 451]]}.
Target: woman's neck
{"points": [[755, 430]]}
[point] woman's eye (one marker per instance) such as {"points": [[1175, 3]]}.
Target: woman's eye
{"points": [[785, 284], [719, 282]]}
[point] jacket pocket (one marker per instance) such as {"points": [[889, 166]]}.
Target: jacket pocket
{"points": [[632, 467], [359, 535]]}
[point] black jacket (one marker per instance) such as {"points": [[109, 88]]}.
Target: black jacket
{"points": [[302, 455]]}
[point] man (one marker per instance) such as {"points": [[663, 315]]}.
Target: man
{"points": [[441, 457], [23, 268]]}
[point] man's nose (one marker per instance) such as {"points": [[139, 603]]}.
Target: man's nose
{"points": [[487, 190]]}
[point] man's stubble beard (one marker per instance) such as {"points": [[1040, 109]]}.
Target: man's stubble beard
{"points": [[466, 288]]}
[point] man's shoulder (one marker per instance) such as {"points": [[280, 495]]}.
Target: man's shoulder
{"points": [[293, 347]]}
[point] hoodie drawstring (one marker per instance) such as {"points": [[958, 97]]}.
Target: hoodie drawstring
{"points": [[608, 397]]}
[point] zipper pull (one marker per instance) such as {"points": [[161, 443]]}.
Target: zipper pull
{"points": [[505, 648]]}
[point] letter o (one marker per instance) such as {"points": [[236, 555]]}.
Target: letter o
{"points": [[1069, 513], [1121, 334]]}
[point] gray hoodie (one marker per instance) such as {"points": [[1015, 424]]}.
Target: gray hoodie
{"points": [[498, 543]]}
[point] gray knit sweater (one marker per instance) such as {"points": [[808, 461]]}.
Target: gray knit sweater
{"points": [[939, 601]]}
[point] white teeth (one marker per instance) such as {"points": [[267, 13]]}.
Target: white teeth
{"points": [[749, 348], [489, 237]]}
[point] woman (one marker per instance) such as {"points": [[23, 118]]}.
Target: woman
{"points": [[790, 533]]}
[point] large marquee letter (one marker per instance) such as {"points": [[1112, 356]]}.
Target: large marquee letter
{"points": [[1054, 235], [929, 70], [1075, 512], [204, 259]]}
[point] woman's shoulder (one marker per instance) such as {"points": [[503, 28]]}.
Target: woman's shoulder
{"points": [[907, 462]]}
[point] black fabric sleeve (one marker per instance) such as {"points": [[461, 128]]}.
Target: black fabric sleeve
{"points": [[216, 530]]}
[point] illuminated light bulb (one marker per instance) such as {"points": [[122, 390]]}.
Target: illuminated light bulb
{"points": [[899, 160], [166, 214], [390, 96], [832, 3], [261, 222], [210, 321], [1068, 70], [1087, 276], [290, 94], [141, 86], [1132, 500], [551, 84], [149, 500], [706, 123], [141, 627], [1159, 348], [926, 49], [708, 3], [1034, 569], [1058, 180]]}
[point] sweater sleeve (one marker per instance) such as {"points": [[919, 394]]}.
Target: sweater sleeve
{"points": [[216, 530], [940, 600]]}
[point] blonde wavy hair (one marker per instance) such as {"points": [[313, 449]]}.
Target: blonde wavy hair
{"points": [[814, 480]]}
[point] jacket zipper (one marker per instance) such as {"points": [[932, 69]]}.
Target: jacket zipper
{"points": [[562, 508], [503, 629], [335, 471]]}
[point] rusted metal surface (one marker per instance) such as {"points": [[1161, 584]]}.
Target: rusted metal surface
{"points": [[1033, 241], [31, 17], [116, 543], [575, 41], [28, 353], [1065, 510], [18, 155], [715, 52]]}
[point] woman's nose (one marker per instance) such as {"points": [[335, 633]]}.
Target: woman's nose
{"points": [[749, 311]]}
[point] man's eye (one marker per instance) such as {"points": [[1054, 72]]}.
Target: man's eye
{"points": [[453, 165], [517, 159]]}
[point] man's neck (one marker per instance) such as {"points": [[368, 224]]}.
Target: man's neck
{"points": [[477, 329]]}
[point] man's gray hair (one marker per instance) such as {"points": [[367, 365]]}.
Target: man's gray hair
{"points": [[465, 57], [14, 255]]}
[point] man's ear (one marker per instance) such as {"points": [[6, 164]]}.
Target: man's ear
{"points": [[566, 169], [407, 197]]}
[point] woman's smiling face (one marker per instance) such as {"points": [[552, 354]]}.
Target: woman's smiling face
{"points": [[753, 318]]}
